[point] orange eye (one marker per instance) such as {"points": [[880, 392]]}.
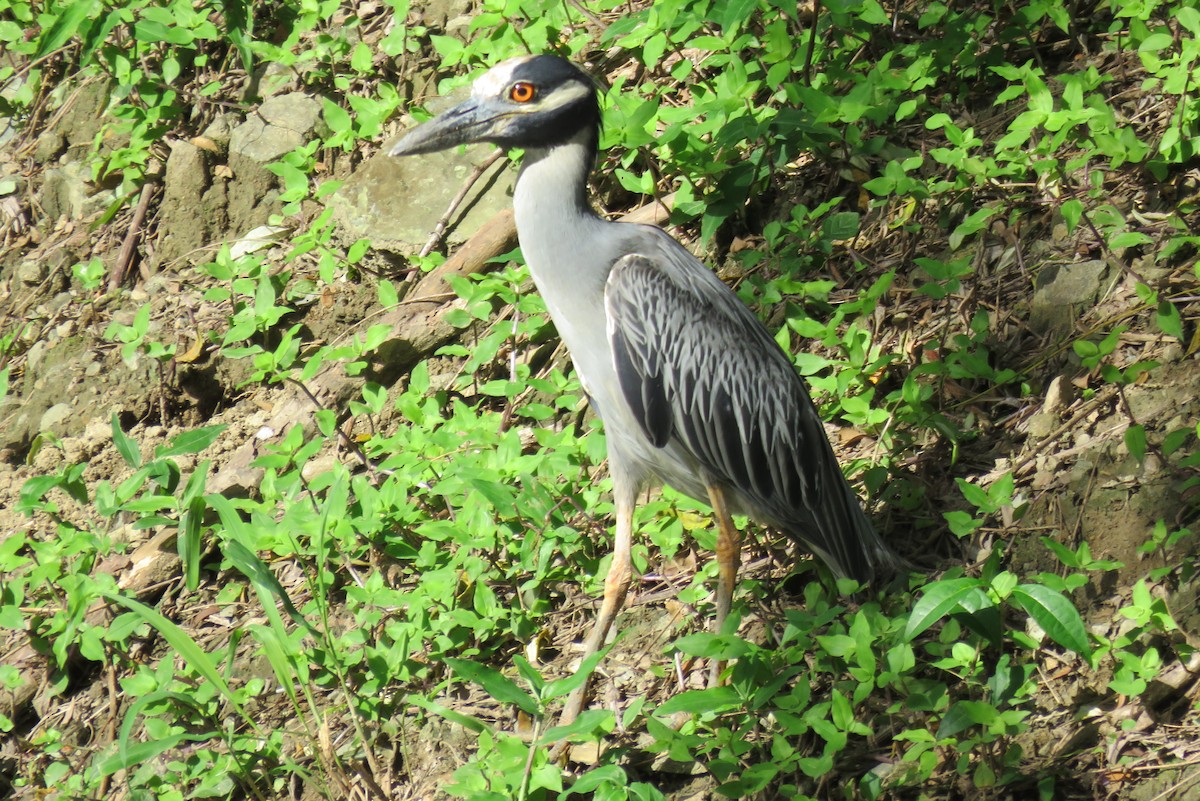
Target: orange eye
{"points": [[522, 92]]}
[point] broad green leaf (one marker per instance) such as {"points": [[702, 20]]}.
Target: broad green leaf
{"points": [[841, 225], [1072, 213], [1135, 441], [335, 116], [125, 445], [587, 724], [699, 702], [754, 779], [187, 649], [1155, 42], [971, 225], [499, 686], [566, 685], [595, 777], [147, 30], [976, 496], [730, 14], [939, 600], [1168, 319], [1057, 616], [65, 27], [192, 441], [1129, 239], [466, 721], [963, 715], [713, 646]]}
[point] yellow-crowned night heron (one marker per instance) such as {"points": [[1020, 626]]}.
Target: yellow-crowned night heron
{"points": [[692, 389]]}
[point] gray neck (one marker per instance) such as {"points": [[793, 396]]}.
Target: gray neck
{"points": [[561, 236], [557, 175]]}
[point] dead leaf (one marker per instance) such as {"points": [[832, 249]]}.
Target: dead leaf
{"points": [[194, 352]]}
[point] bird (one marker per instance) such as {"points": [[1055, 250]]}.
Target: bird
{"points": [[692, 389]]}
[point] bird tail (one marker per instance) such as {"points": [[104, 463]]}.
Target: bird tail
{"points": [[842, 535]]}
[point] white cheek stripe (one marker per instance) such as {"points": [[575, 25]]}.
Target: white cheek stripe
{"points": [[493, 82], [564, 95]]}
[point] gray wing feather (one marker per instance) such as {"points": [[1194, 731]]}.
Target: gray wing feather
{"points": [[695, 365]]}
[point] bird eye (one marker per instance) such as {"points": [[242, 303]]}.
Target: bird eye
{"points": [[522, 92]]}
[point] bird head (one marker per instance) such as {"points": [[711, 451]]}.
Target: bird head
{"points": [[528, 102]]}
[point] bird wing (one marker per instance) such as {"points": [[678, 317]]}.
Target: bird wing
{"points": [[696, 365]]}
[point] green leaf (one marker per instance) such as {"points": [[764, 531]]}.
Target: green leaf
{"points": [[841, 225], [237, 25], [963, 715], [976, 496], [192, 441], [189, 539], [1135, 441], [568, 684], [713, 646], [238, 549], [147, 30], [587, 724], [1188, 17], [466, 721], [1129, 239], [184, 646], [1057, 616], [528, 672], [64, 27], [131, 753], [699, 702], [1168, 319], [1072, 213], [125, 445], [752, 780], [594, 778], [940, 599], [335, 116], [730, 14], [1156, 42], [972, 224], [653, 49], [499, 686]]}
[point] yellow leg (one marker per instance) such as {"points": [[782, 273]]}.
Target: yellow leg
{"points": [[727, 567], [616, 584]]}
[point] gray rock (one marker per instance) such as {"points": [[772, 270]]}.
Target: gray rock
{"points": [[32, 272], [54, 417], [1063, 292], [396, 203], [197, 212], [280, 125], [439, 13], [67, 193], [220, 131], [8, 130]]}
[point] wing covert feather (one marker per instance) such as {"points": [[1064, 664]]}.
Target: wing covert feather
{"points": [[694, 363], [696, 367]]}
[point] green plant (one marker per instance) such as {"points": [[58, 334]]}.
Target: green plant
{"points": [[134, 337], [834, 164], [89, 274]]}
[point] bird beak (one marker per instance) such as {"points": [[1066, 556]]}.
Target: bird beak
{"points": [[467, 122]]}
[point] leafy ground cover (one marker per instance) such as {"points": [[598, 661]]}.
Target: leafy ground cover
{"points": [[975, 228]]}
